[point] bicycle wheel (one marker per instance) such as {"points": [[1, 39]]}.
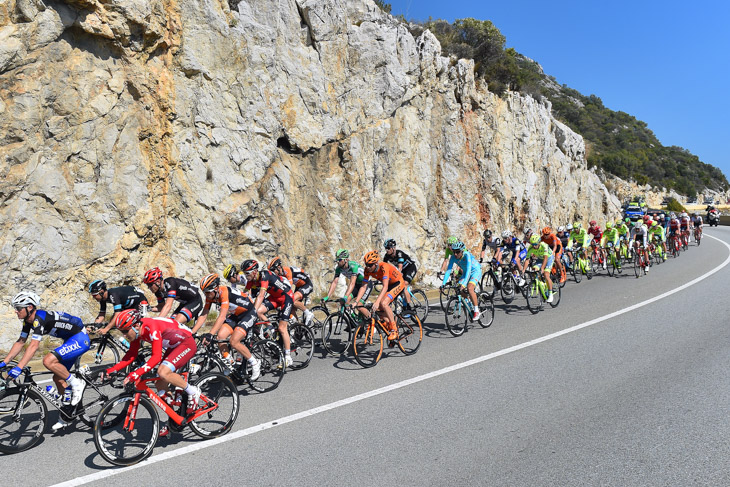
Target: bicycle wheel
{"points": [[219, 398], [595, 262], [21, 425], [637, 265], [487, 283], [457, 316], [410, 333], [104, 352], [508, 288], [272, 366], [486, 308], [444, 295], [301, 340], [575, 271], [557, 292], [532, 295], [368, 345], [129, 441], [207, 361], [419, 301], [675, 247], [337, 333], [320, 313], [92, 401]]}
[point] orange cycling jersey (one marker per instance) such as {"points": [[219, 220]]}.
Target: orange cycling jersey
{"points": [[385, 272], [551, 240], [296, 278], [235, 304]]}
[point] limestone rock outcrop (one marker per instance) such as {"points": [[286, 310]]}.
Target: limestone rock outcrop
{"points": [[187, 135]]}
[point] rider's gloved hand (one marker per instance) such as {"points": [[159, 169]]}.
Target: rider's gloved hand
{"points": [[15, 372], [342, 300], [3, 365], [325, 299], [494, 261], [207, 338], [481, 260]]}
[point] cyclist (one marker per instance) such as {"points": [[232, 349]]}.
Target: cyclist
{"points": [[684, 224], [301, 281], [528, 234], [36, 323], [510, 243], [639, 234], [236, 316], [673, 225], [393, 284], [491, 242], [578, 240], [472, 273], [234, 276], [696, 221], [542, 250], [273, 293], [447, 255], [355, 274], [403, 263], [173, 289], [121, 298], [556, 246], [656, 231], [173, 346], [609, 240], [596, 235]]}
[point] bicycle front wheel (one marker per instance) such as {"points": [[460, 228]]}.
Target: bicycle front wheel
{"points": [[508, 288], [102, 354], [457, 316], [637, 265], [368, 345], [301, 341], [125, 434], [486, 308], [219, 401], [337, 334], [23, 418], [410, 334], [487, 284], [272, 366], [532, 295], [419, 301], [444, 296], [557, 291]]}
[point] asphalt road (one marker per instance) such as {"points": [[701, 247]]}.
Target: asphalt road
{"points": [[566, 397]]}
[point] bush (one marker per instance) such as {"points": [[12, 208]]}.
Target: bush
{"points": [[675, 206]]}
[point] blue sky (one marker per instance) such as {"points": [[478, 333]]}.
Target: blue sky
{"points": [[664, 62]]}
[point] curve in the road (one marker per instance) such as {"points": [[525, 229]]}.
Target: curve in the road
{"points": [[397, 385]]}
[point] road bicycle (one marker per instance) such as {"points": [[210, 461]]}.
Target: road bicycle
{"points": [[449, 290], [368, 338], [674, 245], [24, 414], [509, 286], [538, 291], [127, 427], [558, 273], [640, 260], [581, 264], [597, 259], [685, 239], [208, 358], [491, 279], [613, 261], [698, 235], [301, 341], [339, 327], [656, 251], [460, 312], [419, 303]]}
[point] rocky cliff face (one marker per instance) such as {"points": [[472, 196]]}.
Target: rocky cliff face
{"points": [[186, 135]]}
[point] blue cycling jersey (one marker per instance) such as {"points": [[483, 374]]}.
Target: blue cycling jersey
{"points": [[53, 323], [468, 263]]}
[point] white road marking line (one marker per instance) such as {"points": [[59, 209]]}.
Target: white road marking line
{"points": [[382, 390]]}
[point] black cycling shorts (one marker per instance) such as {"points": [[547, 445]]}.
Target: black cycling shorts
{"points": [[191, 309], [409, 272]]}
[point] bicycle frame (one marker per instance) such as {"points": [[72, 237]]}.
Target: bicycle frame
{"points": [[141, 387]]}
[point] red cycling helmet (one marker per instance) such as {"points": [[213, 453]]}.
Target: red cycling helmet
{"points": [[592, 223], [126, 319], [152, 275]]}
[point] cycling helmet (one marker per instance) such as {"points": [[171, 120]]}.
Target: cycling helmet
{"points": [[372, 257], [627, 219], [694, 213], [646, 217], [487, 234], [577, 226], [342, 254], [638, 223], [528, 231], [152, 275], [507, 234], [229, 271], [390, 243], [684, 214], [210, 282], [653, 223], [535, 240], [126, 319], [451, 240], [457, 246], [569, 227], [561, 229], [547, 231], [609, 225], [672, 215], [593, 222], [26, 298], [97, 286], [249, 265], [274, 263], [498, 242]]}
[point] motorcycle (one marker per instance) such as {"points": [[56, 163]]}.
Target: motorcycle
{"points": [[713, 218]]}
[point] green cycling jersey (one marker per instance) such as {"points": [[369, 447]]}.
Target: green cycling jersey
{"points": [[610, 235], [581, 237], [542, 251]]}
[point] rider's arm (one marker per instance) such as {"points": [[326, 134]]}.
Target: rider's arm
{"points": [[151, 363], [128, 357], [15, 349], [350, 287], [222, 315], [102, 312], [333, 286], [167, 307], [382, 294], [448, 270], [203, 316]]}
